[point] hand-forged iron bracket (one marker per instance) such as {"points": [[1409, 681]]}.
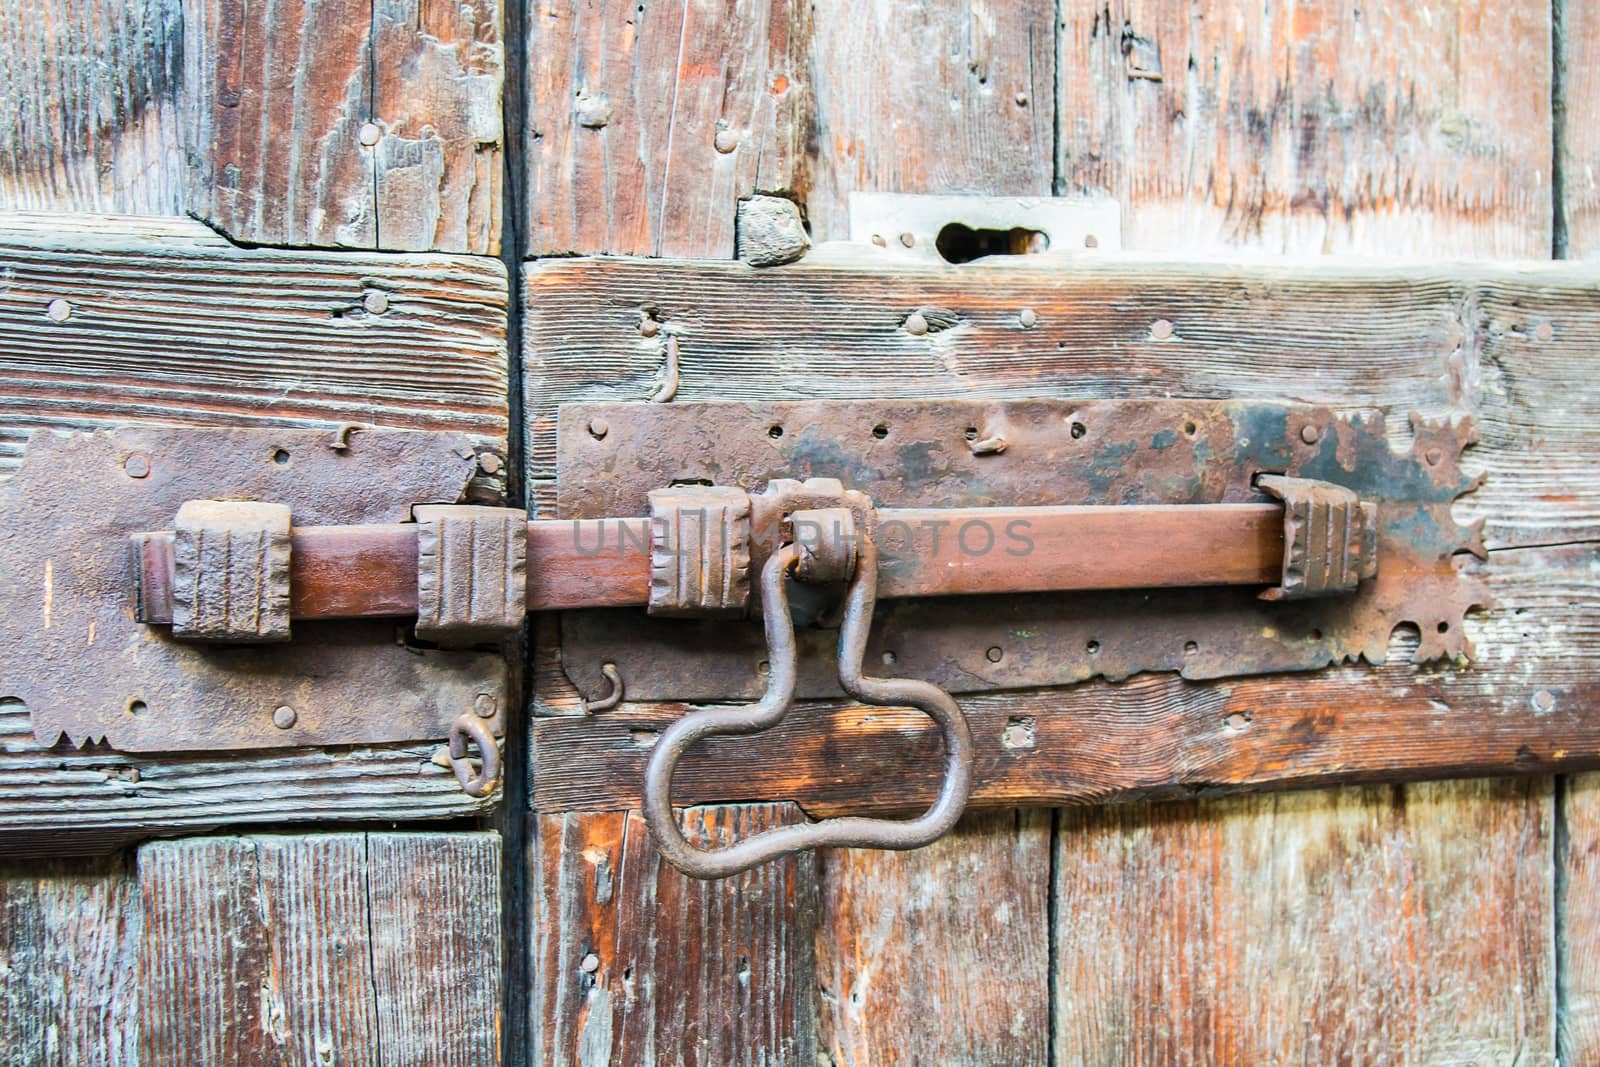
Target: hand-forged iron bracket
{"points": [[770, 710]]}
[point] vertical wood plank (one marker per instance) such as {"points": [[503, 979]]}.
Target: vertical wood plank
{"points": [[1578, 51], [938, 955], [275, 96], [434, 919], [1578, 929], [1324, 125], [1350, 925], [69, 964], [90, 120], [952, 96], [436, 97], [638, 964], [318, 948], [649, 119]]}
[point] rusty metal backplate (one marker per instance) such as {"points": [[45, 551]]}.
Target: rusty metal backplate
{"points": [[945, 453], [73, 654]]}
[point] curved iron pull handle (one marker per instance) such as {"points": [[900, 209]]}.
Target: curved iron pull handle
{"points": [[853, 832]]}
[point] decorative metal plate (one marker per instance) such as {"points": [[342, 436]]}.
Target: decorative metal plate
{"points": [[945, 453], [85, 669]]}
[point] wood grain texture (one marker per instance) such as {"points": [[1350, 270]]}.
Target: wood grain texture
{"points": [[1578, 54], [634, 963], [313, 949], [939, 955], [1350, 926], [277, 99], [171, 324], [1329, 125], [648, 121], [69, 942], [90, 120], [439, 70], [954, 96], [1527, 705], [1578, 930]]}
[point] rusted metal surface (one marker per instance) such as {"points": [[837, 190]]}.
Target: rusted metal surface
{"points": [[771, 709], [1120, 454], [230, 571], [86, 669], [699, 550], [483, 779], [1330, 538], [472, 582]]}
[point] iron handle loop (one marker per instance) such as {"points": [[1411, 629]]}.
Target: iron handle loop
{"points": [[853, 832]]}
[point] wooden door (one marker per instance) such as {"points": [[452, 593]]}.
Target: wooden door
{"points": [[463, 215]]}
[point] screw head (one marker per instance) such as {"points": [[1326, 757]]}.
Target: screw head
{"points": [[485, 705], [1028, 317], [995, 654], [370, 134], [598, 428], [916, 324], [136, 465], [283, 716], [1310, 434], [376, 302], [58, 310]]}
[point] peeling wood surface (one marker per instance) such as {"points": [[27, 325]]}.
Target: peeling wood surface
{"points": [[634, 963], [314, 949], [69, 964], [169, 323], [346, 124], [1355, 925], [648, 121], [1327, 126], [939, 955], [90, 120]]}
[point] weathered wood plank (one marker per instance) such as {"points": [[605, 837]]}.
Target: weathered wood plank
{"points": [[1325, 125], [90, 120], [938, 955], [1356, 926], [69, 942], [942, 97], [346, 124], [1526, 705], [1577, 30], [436, 96], [648, 121], [1510, 344], [637, 964], [314, 949], [169, 323], [1577, 940]]}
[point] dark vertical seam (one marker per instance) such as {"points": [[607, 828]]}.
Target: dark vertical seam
{"points": [[1057, 180], [1052, 942], [518, 992], [372, 942], [1558, 129], [1559, 244]]}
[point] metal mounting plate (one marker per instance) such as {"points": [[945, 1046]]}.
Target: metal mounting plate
{"points": [[85, 669], [956, 453]]}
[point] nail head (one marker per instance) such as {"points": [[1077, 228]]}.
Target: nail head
{"points": [[1028, 317], [1310, 434], [916, 324], [376, 302], [1161, 330], [598, 428], [283, 716], [485, 705], [370, 134], [58, 310], [137, 465]]}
